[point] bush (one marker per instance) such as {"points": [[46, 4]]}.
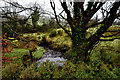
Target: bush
{"points": [[12, 71], [6, 29], [67, 71], [53, 33], [50, 70], [60, 32], [26, 60], [47, 69], [30, 72], [110, 57]]}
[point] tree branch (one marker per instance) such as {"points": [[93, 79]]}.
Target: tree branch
{"points": [[94, 25], [107, 23], [53, 7], [108, 39], [69, 18], [111, 35], [3, 23]]}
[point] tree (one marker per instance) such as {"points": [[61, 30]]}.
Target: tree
{"points": [[35, 16], [82, 46], [11, 11]]}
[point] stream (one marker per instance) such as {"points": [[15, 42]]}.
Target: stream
{"points": [[52, 56]]}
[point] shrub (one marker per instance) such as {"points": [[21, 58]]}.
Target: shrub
{"points": [[7, 48], [53, 33], [44, 38], [12, 71], [47, 69], [5, 29], [50, 70], [109, 57], [26, 60], [30, 72], [67, 71], [60, 32]]}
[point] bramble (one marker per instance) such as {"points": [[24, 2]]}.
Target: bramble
{"points": [[5, 49]]}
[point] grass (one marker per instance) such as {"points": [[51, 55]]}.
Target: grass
{"points": [[17, 53], [109, 56]]}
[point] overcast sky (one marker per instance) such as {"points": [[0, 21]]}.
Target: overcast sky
{"points": [[45, 4]]}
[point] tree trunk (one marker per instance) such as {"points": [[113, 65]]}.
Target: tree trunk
{"points": [[31, 55], [79, 46]]}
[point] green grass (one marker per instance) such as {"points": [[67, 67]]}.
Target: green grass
{"points": [[17, 53], [58, 42]]}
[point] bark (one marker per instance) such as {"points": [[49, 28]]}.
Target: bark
{"points": [[79, 46], [31, 56]]}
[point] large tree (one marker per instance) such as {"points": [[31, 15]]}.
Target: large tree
{"points": [[79, 19]]}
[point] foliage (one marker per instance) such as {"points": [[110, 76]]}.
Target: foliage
{"points": [[30, 72], [53, 33], [5, 45], [60, 32], [26, 60], [81, 70], [11, 71], [69, 54], [109, 57], [39, 52], [98, 67], [35, 17], [5, 29], [46, 69], [49, 70], [6, 49]]}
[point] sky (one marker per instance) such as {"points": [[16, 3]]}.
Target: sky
{"points": [[45, 4]]}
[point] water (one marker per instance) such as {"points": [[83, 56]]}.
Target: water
{"points": [[52, 56]]}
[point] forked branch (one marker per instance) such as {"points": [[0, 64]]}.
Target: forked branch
{"points": [[53, 7]]}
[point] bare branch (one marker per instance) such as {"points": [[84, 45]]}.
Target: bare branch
{"points": [[69, 18], [90, 4], [107, 23], [111, 35], [62, 16], [53, 7], [94, 25], [108, 39], [4, 23]]}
